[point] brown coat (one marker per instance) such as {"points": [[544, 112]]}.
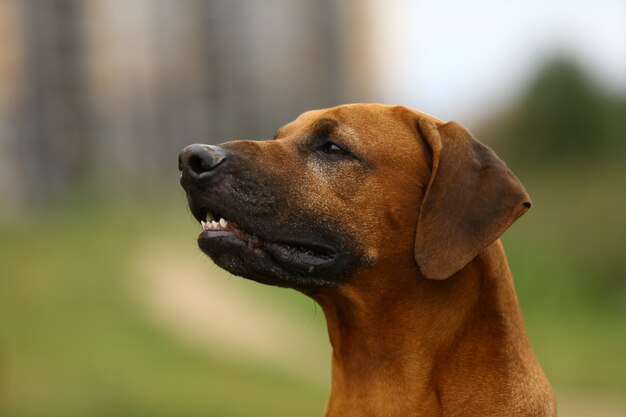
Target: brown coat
{"points": [[390, 219]]}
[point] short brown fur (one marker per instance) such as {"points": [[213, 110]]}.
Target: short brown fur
{"points": [[430, 325]]}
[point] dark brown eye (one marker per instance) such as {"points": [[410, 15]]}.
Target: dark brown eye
{"points": [[334, 150]]}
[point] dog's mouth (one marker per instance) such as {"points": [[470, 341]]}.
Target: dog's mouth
{"points": [[265, 260]]}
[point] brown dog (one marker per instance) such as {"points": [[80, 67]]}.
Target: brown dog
{"points": [[389, 218]]}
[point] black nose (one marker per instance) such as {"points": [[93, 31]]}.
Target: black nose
{"points": [[198, 160]]}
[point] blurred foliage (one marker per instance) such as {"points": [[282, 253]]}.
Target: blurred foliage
{"points": [[563, 117], [566, 139], [565, 254]]}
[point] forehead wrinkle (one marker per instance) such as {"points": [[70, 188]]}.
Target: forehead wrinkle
{"points": [[331, 127], [323, 127]]}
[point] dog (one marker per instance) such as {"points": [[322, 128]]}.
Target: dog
{"points": [[389, 218]]}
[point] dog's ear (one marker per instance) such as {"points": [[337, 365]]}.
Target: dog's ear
{"points": [[471, 199]]}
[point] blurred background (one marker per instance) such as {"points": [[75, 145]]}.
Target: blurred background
{"points": [[107, 308]]}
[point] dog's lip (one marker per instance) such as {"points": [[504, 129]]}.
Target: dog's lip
{"points": [[299, 254]]}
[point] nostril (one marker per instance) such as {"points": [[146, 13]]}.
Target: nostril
{"points": [[196, 164]]}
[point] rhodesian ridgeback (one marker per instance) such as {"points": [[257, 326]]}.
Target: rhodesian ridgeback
{"points": [[390, 219]]}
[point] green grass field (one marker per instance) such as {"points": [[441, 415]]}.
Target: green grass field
{"points": [[74, 341]]}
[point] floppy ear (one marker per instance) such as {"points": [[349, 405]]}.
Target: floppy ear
{"points": [[471, 199]]}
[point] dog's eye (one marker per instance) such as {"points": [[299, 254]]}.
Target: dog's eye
{"points": [[334, 150]]}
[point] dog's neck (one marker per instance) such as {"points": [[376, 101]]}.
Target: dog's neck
{"points": [[396, 346]]}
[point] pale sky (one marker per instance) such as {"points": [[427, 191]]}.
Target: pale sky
{"points": [[458, 59]]}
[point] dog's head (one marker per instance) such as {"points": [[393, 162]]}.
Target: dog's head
{"points": [[349, 188]]}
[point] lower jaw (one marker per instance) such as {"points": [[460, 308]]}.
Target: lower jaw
{"points": [[296, 257], [255, 262]]}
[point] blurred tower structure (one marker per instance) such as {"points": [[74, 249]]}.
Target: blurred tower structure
{"points": [[10, 81], [44, 113], [112, 89]]}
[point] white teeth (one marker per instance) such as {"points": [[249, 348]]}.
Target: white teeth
{"points": [[210, 224]]}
